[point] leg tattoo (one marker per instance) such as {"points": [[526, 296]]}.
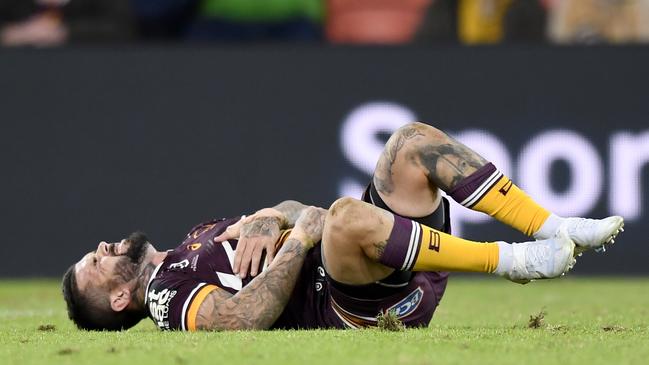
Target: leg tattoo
{"points": [[383, 180], [449, 163]]}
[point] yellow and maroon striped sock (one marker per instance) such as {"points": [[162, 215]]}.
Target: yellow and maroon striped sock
{"points": [[415, 247], [489, 191]]}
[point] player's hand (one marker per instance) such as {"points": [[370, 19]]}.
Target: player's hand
{"points": [[257, 234], [308, 227]]}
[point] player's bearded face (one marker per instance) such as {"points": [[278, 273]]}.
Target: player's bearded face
{"points": [[127, 268], [138, 244]]}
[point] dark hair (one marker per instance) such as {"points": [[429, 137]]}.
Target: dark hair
{"points": [[91, 310]]}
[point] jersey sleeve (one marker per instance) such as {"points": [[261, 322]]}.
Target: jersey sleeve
{"points": [[174, 306], [193, 303]]}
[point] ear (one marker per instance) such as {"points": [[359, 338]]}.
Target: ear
{"points": [[120, 298]]}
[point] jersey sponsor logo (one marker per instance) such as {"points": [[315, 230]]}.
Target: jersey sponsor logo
{"points": [[194, 246], [408, 304], [194, 262], [179, 265], [159, 306]]}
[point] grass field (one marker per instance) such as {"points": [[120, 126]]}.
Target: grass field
{"points": [[587, 321]]}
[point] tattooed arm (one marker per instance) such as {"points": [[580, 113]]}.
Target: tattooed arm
{"points": [[258, 233], [284, 214], [290, 210], [259, 304]]}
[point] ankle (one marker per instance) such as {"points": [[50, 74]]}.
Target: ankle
{"points": [[549, 227], [505, 258]]}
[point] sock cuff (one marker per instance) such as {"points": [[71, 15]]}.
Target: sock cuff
{"points": [[471, 189], [402, 247]]}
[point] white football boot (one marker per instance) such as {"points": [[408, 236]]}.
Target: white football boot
{"points": [[544, 259], [591, 233]]}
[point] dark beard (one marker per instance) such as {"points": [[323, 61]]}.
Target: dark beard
{"points": [[138, 244], [127, 268]]}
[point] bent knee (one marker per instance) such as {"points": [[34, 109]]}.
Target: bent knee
{"points": [[423, 128], [344, 212], [410, 139], [347, 217], [356, 220]]}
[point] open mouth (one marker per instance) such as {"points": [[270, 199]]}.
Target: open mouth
{"points": [[119, 248]]}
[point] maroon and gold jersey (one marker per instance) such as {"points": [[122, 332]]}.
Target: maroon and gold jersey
{"points": [[190, 272]]}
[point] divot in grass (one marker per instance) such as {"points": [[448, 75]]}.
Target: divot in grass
{"points": [[558, 327], [537, 320], [67, 351], [613, 328], [388, 321]]}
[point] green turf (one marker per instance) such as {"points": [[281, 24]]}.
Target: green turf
{"points": [[588, 321]]}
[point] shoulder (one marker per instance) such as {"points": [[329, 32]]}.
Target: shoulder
{"points": [[173, 304]]}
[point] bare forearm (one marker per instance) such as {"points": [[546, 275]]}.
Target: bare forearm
{"points": [[282, 216], [258, 304], [291, 210]]}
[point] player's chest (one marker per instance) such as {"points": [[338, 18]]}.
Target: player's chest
{"points": [[202, 257]]}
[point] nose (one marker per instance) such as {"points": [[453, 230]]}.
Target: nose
{"points": [[102, 249]]}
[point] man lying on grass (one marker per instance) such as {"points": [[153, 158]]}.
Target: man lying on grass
{"points": [[298, 266]]}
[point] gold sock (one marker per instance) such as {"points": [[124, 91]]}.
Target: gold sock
{"points": [[491, 192], [510, 205], [414, 246]]}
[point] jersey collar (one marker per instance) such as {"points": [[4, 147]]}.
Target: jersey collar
{"points": [[155, 272]]}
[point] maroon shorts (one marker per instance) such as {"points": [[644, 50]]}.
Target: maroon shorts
{"points": [[318, 301]]}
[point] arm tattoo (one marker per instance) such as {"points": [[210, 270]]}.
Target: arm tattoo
{"points": [[449, 163], [291, 210], [258, 304], [383, 177], [262, 226]]}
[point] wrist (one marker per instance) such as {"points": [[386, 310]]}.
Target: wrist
{"points": [[304, 239], [277, 215]]}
